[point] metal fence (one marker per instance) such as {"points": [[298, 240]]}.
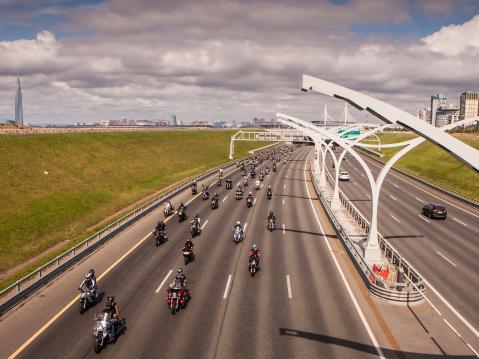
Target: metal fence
{"points": [[389, 290], [40, 276]]}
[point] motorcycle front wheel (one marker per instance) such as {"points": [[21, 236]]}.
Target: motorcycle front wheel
{"points": [[97, 346]]}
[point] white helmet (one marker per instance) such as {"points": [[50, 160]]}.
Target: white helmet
{"points": [[88, 275], [238, 223]]}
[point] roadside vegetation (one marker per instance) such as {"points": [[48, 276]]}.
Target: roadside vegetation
{"points": [[57, 189], [434, 164]]}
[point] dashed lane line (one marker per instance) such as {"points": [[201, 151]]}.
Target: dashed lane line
{"points": [[284, 229], [227, 287], [420, 200], [393, 198], [447, 259], [424, 219], [224, 199], [288, 283], [163, 281], [204, 224], [458, 221], [397, 220]]}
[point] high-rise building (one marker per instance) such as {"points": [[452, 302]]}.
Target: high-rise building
{"points": [[437, 101], [446, 116], [173, 120], [18, 104], [469, 105]]}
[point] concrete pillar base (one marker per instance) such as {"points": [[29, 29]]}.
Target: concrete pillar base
{"points": [[372, 255], [335, 203]]}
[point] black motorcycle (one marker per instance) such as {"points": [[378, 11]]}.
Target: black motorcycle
{"points": [[214, 203], [229, 184], [194, 190], [205, 195], [269, 194], [182, 214], [160, 237], [249, 202]]}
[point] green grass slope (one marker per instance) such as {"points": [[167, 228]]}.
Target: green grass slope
{"points": [[54, 187], [432, 163]]}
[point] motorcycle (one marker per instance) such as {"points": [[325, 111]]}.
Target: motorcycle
{"points": [[249, 202], [218, 182], [253, 265], [253, 174], [257, 185], [243, 173], [267, 171], [195, 230], [160, 237], [269, 194], [274, 168], [237, 235], [271, 225], [182, 214], [239, 195], [102, 330], [194, 190], [245, 182], [87, 299], [177, 298], [229, 184], [261, 177], [205, 195], [188, 255], [168, 210], [214, 203]]}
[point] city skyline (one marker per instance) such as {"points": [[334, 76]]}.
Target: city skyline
{"points": [[93, 60]]}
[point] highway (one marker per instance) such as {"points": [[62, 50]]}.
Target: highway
{"points": [[296, 306], [445, 252]]}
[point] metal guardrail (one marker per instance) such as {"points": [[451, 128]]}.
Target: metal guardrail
{"points": [[42, 275], [448, 191], [394, 291]]}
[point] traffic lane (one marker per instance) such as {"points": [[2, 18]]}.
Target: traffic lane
{"points": [[139, 253], [281, 335]]}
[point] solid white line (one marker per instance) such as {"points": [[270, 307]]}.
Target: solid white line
{"points": [[447, 259], [227, 287], [422, 217], [288, 283], [224, 199], [204, 224], [283, 201], [420, 200], [284, 230], [164, 280], [394, 218], [458, 221], [462, 339], [394, 198], [346, 284]]}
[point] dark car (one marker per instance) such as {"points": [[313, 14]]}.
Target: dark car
{"points": [[434, 211]]}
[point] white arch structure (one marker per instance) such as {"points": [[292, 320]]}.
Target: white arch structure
{"points": [[372, 253]]}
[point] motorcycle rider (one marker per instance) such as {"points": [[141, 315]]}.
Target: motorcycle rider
{"points": [[160, 227], [188, 247], [271, 216], [114, 311], [269, 191], [194, 186], [89, 282], [168, 206], [180, 280], [254, 253], [229, 181], [221, 172], [249, 197]]}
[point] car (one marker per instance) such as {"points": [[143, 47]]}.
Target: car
{"points": [[344, 176], [432, 210]]}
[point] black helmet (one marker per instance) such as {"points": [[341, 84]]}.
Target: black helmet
{"points": [[92, 272], [270, 213], [110, 299]]}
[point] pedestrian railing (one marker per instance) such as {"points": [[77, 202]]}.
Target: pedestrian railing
{"points": [[401, 290], [27, 285]]}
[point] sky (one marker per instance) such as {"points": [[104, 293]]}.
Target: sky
{"points": [[211, 60]]}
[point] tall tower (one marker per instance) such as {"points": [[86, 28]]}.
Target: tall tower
{"points": [[18, 104]]}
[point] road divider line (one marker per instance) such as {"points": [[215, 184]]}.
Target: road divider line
{"points": [[420, 200], [395, 185], [163, 281], [288, 283], [224, 199], [424, 219], [227, 287], [254, 201], [204, 224], [458, 221], [341, 274], [393, 198], [397, 220], [244, 228], [461, 338], [284, 230], [261, 185], [447, 259]]}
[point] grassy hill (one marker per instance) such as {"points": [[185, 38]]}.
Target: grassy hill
{"points": [[431, 162], [55, 189]]}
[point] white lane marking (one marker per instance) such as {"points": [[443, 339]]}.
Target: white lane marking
{"points": [[163, 282], [394, 218], [288, 283], [462, 339], [283, 201], [284, 187], [239, 183], [227, 287], [244, 228], [354, 183], [286, 176], [392, 197], [261, 185], [254, 201], [447, 259], [224, 199], [346, 284], [284, 230], [367, 195], [204, 224], [420, 200], [362, 175], [458, 221], [424, 219], [395, 185]]}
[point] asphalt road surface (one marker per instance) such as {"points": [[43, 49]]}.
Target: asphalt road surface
{"points": [[445, 252], [296, 306]]}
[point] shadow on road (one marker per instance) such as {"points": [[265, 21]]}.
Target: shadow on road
{"points": [[307, 232], [288, 195], [405, 236]]}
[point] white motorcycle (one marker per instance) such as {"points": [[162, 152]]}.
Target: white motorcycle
{"points": [[237, 235]]}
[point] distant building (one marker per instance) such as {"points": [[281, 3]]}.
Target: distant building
{"points": [[437, 101], [18, 104], [469, 105], [424, 114], [173, 120], [446, 116]]}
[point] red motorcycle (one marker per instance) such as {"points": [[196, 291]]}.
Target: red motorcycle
{"points": [[177, 298]]}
